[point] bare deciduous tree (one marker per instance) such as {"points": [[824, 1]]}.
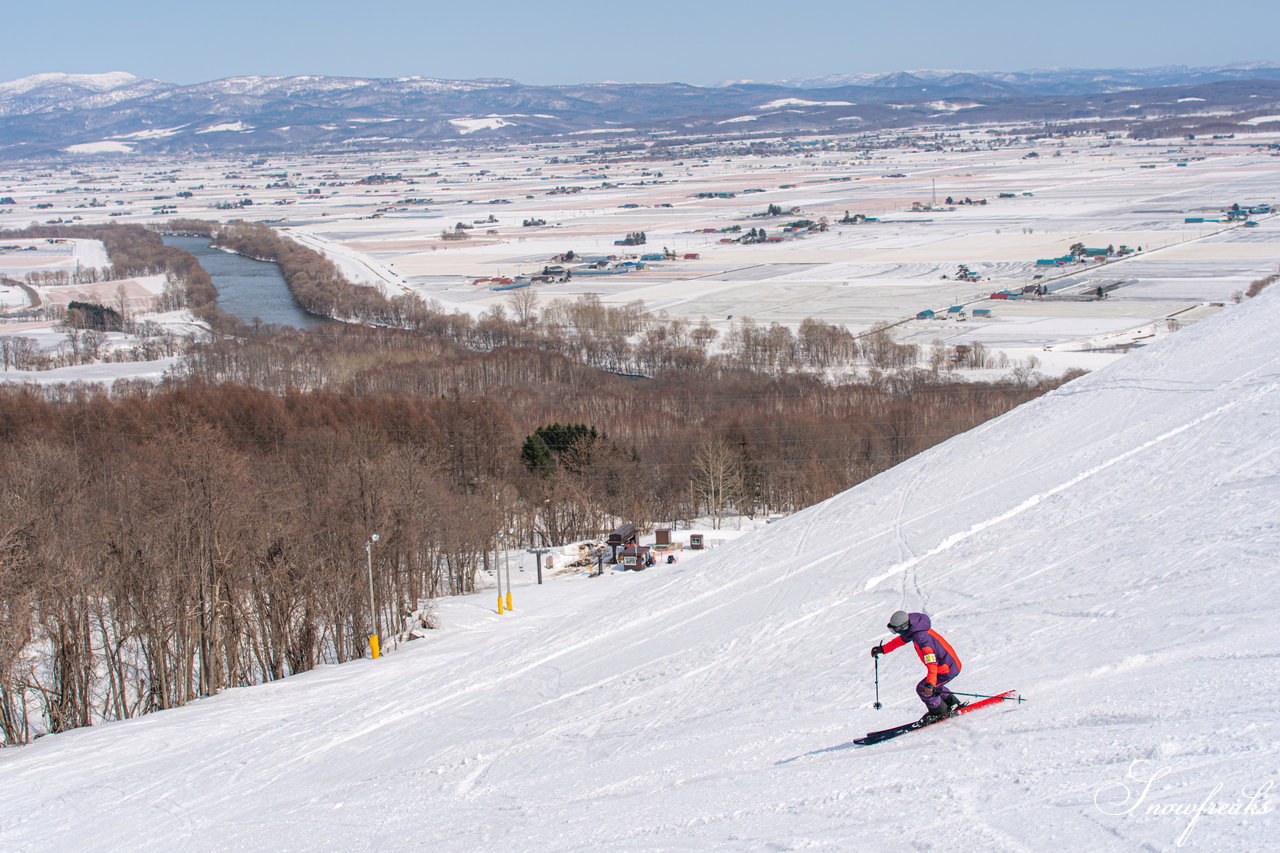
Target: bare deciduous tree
{"points": [[717, 478]]}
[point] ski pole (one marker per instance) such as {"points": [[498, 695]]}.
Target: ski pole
{"points": [[980, 696], [877, 705]]}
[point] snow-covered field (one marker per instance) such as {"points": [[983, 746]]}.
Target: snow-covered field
{"points": [[380, 220], [1110, 550], [861, 275], [42, 255], [135, 297], [102, 373]]}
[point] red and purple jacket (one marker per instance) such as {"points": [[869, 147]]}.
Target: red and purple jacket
{"points": [[935, 652]]}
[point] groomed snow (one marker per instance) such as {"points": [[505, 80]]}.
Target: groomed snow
{"points": [[1109, 550]]}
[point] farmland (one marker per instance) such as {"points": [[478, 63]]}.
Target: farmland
{"points": [[857, 230]]}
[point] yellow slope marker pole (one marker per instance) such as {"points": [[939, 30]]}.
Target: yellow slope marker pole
{"points": [[374, 650], [497, 573], [507, 560]]}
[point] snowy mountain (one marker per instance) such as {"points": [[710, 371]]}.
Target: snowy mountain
{"points": [[54, 92], [50, 115], [1110, 550], [91, 82], [1053, 81]]}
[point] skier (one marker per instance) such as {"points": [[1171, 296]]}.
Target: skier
{"points": [[936, 654]]}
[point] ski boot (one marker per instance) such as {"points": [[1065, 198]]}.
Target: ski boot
{"points": [[934, 714]]}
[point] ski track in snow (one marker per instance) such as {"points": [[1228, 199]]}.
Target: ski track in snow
{"points": [[1032, 501]]}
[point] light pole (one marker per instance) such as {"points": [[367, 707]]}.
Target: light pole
{"points": [[373, 607], [506, 563]]}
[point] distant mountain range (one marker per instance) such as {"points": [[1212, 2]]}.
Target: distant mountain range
{"points": [[56, 115], [1053, 81]]}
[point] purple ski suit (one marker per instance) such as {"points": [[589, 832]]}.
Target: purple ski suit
{"points": [[935, 653]]}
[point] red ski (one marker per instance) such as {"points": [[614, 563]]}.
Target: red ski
{"points": [[889, 734]]}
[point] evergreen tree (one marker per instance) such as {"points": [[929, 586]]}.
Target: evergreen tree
{"points": [[567, 446], [536, 455], [90, 315]]}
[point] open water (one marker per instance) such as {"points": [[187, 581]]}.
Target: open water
{"points": [[248, 288]]}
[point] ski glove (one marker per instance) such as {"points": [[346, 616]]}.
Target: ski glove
{"points": [[927, 690], [876, 651]]}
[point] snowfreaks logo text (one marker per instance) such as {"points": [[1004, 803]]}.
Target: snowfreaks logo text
{"points": [[1131, 796]]}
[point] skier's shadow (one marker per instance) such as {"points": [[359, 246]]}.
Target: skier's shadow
{"points": [[838, 748]]}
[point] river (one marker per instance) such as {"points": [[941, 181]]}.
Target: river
{"points": [[247, 288]]}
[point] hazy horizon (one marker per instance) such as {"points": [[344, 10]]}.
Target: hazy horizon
{"points": [[560, 43], [726, 82]]}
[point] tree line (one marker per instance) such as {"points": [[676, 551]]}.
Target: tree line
{"points": [[622, 339], [159, 546], [134, 250], [160, 543]]}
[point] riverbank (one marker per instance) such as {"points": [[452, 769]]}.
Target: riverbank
{"points": [[255, 291]]}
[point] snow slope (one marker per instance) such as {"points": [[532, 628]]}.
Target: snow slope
{"points": [[1109, 549]]}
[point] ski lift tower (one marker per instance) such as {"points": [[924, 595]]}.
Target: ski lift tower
{"points": [[538, 552]]}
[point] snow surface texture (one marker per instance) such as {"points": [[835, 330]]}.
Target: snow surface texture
{"points": [[1109, 550]]}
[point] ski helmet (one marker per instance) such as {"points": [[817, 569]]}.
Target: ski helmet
{"points": [[900, 622]]}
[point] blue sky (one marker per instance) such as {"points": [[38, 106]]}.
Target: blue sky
{"points": [[649, 40]]}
